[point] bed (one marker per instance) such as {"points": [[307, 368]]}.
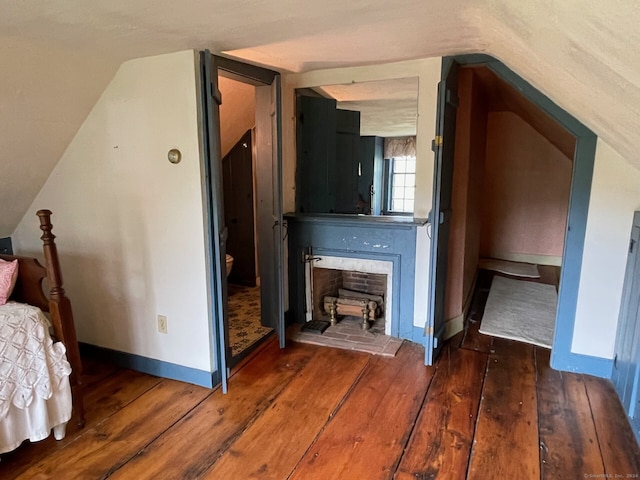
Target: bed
{"points": [[40, 373]]}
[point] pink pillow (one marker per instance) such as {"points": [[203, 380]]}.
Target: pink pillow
{"points": [[8, 277]]}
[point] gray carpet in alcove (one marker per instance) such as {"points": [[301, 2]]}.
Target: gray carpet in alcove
{"points": [[520, 310]]}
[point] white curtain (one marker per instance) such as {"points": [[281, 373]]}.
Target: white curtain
{"points": [[400, 147]]}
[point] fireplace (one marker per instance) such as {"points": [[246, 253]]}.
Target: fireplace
{"points": [[361, 244], [329, 276]]}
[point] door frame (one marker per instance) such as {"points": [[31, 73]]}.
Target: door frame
{"points": [[562, 358]]}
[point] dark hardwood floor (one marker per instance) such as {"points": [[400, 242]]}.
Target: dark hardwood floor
{"points": [[489, 408]]}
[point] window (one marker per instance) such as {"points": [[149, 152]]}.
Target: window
{"points": [[401, 184]]}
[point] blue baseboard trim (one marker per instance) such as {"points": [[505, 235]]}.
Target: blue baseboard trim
{"points": [[152, 366], [578, 363]]}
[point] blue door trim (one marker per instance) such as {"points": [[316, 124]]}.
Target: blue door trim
{"points": [[562, 358]]}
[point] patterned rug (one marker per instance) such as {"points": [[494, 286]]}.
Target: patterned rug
{"points": [[244, 317]]}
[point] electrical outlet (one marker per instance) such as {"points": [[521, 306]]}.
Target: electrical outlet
{"points": [[162, 324]]}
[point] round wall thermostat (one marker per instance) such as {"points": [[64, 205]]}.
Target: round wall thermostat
{"points": [[174, 155]]}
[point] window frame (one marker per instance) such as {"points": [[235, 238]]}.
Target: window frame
{"points": [[387, 186]]}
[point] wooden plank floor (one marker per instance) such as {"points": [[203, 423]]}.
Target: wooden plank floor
{"points": [[489, 408]]}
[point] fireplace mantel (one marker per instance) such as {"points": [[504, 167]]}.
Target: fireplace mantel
{"points": [[391, 239]]}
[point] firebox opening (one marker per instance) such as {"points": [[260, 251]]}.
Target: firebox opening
{"points": [[349, 288]]}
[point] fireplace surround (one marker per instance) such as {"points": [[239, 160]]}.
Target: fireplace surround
{"points": [[356, 243]]}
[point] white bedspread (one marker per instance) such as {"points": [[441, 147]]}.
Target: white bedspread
{"points": [[34, 378]]}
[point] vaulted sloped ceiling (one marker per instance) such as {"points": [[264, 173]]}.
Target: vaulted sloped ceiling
{"points": [[58, 56]]}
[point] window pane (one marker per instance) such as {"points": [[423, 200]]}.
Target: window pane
{"points": [[398, 181], [410, 180], [399, 165], [397, 205], [411, 164], [408, 193]]}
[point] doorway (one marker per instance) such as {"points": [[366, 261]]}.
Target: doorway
{"points": [[510, 199], [237, 133], [259, 175], [571, 259]]}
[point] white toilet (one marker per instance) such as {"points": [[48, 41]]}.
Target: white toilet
{"points": [[229, 260]]}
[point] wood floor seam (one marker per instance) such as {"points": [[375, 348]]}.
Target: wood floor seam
{"points": [[154, 439], [597, 434], [229, 443], [333, 414], [540, 441], [475, 426], [89, 427], [415, 422]]}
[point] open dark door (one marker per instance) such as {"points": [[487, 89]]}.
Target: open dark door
{"points": [[269, 205], [439, 219], [211, 100]]}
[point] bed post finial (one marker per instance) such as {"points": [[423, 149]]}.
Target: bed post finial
{"points": [[45, 225], [50, 254]]}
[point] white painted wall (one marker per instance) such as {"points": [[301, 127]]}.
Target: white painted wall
{"points": [[428, 72], [129, 223], [579, 54], [615, 195]]}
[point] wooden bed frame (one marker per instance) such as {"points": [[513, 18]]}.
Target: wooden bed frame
{"points": [[29, 289]]}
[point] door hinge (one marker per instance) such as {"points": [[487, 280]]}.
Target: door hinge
{"points": [[452, 99], [216, 94], [428, 330], [631, 245], [437, 142]]}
